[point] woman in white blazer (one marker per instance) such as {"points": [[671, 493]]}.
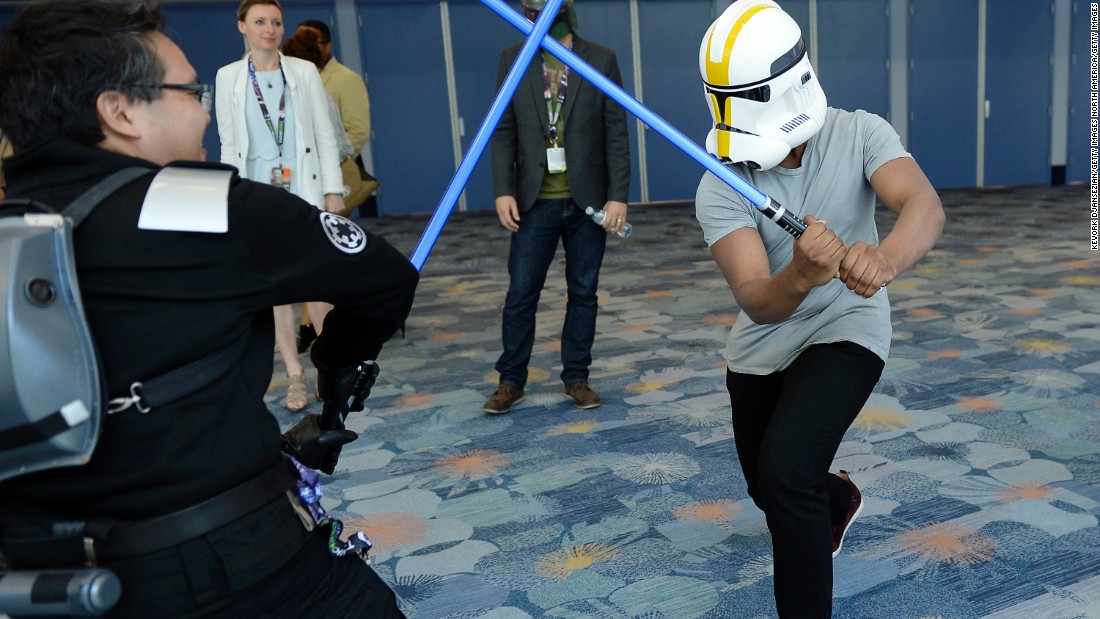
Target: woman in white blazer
{"points": [[316, 162], [298, 152]]}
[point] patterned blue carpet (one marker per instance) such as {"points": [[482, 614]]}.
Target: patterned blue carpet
{"points": [[978, 454]]}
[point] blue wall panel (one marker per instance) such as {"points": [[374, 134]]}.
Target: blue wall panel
{"points": [[478, 34], [943, 90], [1077, 168], [799, 10], [402, 47], [1018, 83], [671, 31], [852, 69]]}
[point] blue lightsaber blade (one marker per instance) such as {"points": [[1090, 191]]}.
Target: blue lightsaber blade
{"points": [[769, 207], [481, 139]]}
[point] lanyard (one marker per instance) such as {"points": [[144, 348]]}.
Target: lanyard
{"points": [[552, 112], [263, 108]]}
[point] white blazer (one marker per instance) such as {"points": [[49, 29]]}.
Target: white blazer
{"points": [[317, 162]]}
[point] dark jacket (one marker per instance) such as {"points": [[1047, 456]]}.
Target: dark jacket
{"points": [[157, 300], [597, 148]]}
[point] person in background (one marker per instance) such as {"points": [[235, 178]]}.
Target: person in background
{"points": [[305, 44], [814, 330], [560, 146], [346, 87], [274, 128], [192, 503]]}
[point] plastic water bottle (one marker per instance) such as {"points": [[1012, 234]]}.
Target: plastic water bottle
{"points": [[600, 215]]}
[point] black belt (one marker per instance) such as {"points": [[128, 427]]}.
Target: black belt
{"points": [[44, 542], [186, 560], [172, 529]]}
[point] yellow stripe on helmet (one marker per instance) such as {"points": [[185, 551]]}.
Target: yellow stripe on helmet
{"points": [[718, 72]]}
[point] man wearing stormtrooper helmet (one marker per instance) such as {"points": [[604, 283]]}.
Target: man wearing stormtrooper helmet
{"points": [[561, 145], [814, 330]]}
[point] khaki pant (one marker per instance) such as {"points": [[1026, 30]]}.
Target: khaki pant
{"points": [[360, 184]]}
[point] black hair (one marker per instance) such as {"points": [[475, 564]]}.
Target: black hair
{"points": [[58, 56], [322, 27]]}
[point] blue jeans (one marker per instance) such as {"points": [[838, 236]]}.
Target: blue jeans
{"points": [[529, 258]]}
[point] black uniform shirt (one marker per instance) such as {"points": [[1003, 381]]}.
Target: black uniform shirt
{"points": [[158, 300]]}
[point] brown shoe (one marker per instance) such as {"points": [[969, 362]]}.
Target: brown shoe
{"points": [[503, 399], [582, 395]]}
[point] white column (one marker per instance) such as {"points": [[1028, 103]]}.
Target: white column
{"points": [[457, 128], [983, 103], [898, 65], [636, 49], [1059, 99]]}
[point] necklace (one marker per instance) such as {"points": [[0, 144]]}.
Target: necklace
{"points": [[267, 80]]}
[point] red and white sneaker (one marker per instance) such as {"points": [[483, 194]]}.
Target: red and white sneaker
{"points": [[854, 508]]}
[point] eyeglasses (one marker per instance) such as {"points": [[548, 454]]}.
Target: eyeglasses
{"points": [[204, 92]]}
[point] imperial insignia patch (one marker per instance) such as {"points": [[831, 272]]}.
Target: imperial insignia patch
{"points": [[344, 233]]}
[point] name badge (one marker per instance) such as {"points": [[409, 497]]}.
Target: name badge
{"points": [[280, 177], [555, 160]]}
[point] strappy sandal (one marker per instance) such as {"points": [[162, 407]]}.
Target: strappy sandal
{"points": [[296, 398]]}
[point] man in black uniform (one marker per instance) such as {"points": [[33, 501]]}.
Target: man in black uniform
{"points": [[89, 88]]}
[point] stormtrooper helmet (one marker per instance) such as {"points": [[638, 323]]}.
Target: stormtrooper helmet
{"points": [[761, 90]]}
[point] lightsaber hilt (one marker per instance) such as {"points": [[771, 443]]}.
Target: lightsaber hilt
{"points": [[787, 220], [334, 388], [49, 593], [364, 380]]}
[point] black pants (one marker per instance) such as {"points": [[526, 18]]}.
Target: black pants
{"points": [[313, 584], [318, 585], [787, 427]]}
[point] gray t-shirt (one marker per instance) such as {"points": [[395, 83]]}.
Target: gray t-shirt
{"points": [[832, 184]]}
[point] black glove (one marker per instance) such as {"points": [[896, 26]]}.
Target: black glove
{"points": [[317, 440], [314, 447]]}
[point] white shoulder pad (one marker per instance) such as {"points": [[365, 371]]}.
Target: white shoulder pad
{"points": [[187, 200]]}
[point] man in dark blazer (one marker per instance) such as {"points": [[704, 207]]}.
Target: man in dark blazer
{"points": [[560, 146]]}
